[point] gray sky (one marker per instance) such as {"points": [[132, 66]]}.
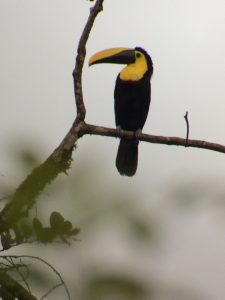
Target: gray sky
{"points": [[186, 41]]}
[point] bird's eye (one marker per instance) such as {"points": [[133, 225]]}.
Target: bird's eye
{"points": [[138, 54]]}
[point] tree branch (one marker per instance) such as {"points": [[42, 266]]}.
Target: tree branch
{"points": [[66, 147], [81, 53], [155, 139], [59, 161], [13, 288], [62, 282]]}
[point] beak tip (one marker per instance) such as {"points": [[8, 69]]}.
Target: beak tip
{"points": [[91, 62]]}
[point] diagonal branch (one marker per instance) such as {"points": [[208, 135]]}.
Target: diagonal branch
{"points": [[59, 161], [67, 144], [81, 53]]}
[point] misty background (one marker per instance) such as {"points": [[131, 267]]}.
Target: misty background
{"points": [[180, 190]]}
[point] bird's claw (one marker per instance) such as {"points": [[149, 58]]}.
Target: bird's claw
{"points": [[119, 129], [138, 133]]}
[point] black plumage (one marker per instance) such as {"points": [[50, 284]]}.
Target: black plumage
{"points": [[132, 100]]}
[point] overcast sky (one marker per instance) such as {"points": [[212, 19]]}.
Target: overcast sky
{"points": [[186, 42]]}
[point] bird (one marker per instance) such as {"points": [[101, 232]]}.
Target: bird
{"points": [[132, 97]]}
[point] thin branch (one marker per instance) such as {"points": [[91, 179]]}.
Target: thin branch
{"points": [[62, 282], [187, 124], [51, 290], [67, 145], [81, 53], [155, 139], [23, 277]]}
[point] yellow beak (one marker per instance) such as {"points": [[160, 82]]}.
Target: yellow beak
{"points": [[113, 55]]}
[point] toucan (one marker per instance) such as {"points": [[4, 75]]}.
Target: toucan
{"points": [[132, 96]]}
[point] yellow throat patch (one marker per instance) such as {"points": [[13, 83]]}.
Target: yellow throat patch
{"points": [[135, 71]]}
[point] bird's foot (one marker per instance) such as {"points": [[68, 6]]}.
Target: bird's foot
{"points": [[138, 133], [119, 129]]}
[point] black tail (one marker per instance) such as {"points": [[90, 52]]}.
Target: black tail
{"points": [[127, 157]]}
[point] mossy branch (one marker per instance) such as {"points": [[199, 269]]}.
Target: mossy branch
{"points": [[59, 161]]}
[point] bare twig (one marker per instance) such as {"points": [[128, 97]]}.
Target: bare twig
{"points": [[51, 290], [23, 277], [81, 53], [187, 124], [155, 139], [62, 282]]}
